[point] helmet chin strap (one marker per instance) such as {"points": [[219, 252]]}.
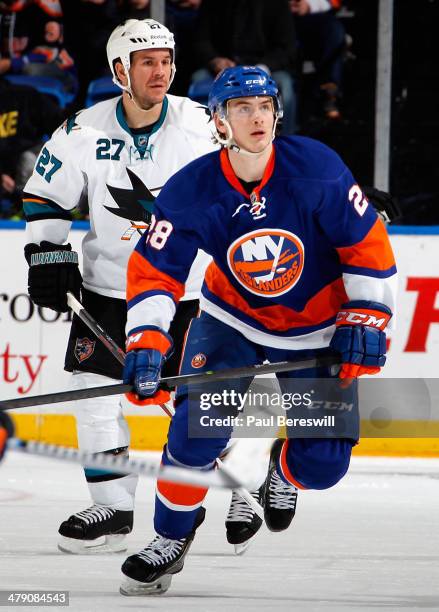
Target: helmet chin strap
{"points": [[133, 100], [230, 143]]}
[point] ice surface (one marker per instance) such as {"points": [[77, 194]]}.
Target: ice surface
{"points": [[370, 543]]}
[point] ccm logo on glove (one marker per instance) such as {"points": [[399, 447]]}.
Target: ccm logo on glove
{"points": [[372, 318], [150, 338], [133, 340], [360, 339]]}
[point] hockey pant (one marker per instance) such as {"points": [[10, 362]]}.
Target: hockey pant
{"points": [[308, 463], [101, 427]]}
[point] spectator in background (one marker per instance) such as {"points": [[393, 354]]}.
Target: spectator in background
{"points": [[26, 116], [135, 9], [253, 32], [181, 18], [321, 37], [87, 27], [33, 45]]}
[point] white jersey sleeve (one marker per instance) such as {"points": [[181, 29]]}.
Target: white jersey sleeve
{"points": [[55, 186]]}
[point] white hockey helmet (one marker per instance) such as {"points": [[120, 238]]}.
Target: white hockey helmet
{"points": [[136, 35]]}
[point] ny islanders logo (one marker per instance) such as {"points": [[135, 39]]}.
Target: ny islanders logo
{"points": [[267, 262]]}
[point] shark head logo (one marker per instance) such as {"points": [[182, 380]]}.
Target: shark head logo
{"points": [[70, 123], [135, 205]]}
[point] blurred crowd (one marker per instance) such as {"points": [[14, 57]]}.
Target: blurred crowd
{"points": [[62, 42]]}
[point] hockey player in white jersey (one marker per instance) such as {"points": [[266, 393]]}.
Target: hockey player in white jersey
{"points": [[118, 154]]}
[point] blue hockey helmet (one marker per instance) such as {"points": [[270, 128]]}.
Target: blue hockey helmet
{"points": [[242, 82]]}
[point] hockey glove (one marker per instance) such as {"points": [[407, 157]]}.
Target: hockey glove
{"points": [[384, 203], [360, 338], [147, 350], [53, 270]]}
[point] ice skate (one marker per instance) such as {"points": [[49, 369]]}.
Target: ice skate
{"points": [[242, 523], [150, 571], [98, 529], [280, 499]]}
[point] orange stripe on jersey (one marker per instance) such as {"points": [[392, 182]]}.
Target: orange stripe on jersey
{"points": [[181, 494], [35, 200], [284, 466], [142, 276], [321, 307], [374, 251]]}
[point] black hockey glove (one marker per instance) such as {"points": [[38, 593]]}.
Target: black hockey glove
{"points": [[53, 270], [384, 203]]}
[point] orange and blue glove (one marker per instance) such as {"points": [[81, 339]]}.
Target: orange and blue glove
{"points": [[360, 337], [147, 348]]}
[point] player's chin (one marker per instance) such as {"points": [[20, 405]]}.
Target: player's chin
{"points": [[259, 144], [153, 97], [157, 91]]}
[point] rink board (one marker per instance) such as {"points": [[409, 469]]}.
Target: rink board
{"points": [[33, 342]]}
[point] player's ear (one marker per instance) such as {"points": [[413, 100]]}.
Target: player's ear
{"points": [[219, 123], [120, 72]]}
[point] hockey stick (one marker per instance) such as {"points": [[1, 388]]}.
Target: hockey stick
{"points": [[172, 381], [123, 465], [117, 352], [103, 336]]}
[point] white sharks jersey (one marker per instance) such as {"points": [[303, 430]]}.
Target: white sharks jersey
{"points": [[94, 154]]}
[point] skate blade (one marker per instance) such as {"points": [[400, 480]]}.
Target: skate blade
{"points": [[133, 588], [240, 549], [103, 545]]}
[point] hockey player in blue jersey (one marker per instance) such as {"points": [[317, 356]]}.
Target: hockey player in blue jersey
{"points": [[302, 266]]}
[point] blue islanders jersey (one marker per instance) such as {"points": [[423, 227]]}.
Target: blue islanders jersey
{"points": [[284, 259]]}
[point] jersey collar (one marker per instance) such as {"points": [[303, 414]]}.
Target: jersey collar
{"points": [[231, 177], [120, 116]]}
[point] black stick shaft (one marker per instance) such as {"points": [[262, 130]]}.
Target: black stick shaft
{"points": [[171, 381]]}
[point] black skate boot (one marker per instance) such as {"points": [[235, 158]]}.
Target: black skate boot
{"points": [[98, 529], [279, 498], [150, 571], [242, 523]]}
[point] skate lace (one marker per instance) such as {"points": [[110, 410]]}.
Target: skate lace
{"points": [[95, 514], [240, 510], [282, 496], [161, 550]]}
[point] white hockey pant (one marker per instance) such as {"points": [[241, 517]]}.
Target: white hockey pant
{"points": [[101, 426]]}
